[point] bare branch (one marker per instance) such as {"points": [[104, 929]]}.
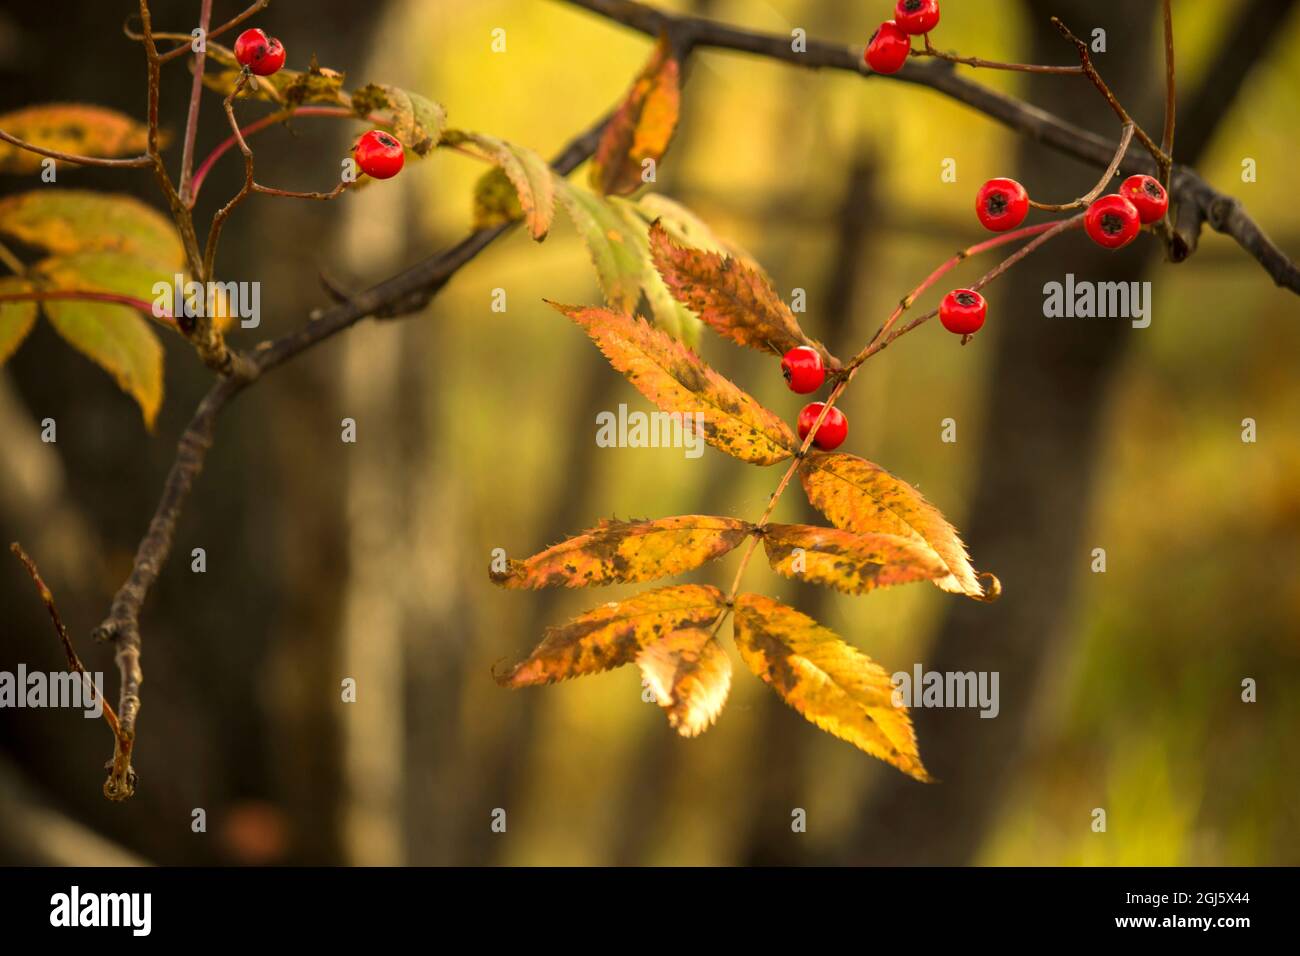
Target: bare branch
{"points": [[129, 162], [196, 99]]}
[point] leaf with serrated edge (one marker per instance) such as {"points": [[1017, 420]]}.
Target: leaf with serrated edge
{"points": [[690, 674], [850, 562], [615, 633], [687, 229], [677, 380], [829, 682], [618, 240], [16, 318], [860, 496], [534, 181], [617, 552], [68, 128], [641, 127], [419, 123], [66, 221], [114, 337], [728, 295]]}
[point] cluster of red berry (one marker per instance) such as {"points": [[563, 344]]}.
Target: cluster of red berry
{"points": [[890, 46], [377, 154], [804, 372]]}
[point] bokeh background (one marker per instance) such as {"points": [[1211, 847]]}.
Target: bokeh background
{"points": [[1119, 690]]}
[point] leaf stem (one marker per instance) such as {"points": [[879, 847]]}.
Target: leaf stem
{"points": [[87, 295]]}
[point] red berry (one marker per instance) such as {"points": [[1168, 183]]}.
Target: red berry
{"points": [[1146, 193], [379, 155], [917, 16], [262, 55], [803, 369], [1002, 204], [888, 48], [962, 311], [1112, 221], [833, 431]]}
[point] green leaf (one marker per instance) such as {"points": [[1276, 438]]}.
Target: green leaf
{"points": [[68, 128], [114, 337], [16, 318], [532, 178], [495, 200], [618, 241], [67, 221]]}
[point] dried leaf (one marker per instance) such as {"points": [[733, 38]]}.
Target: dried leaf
{"points": [[829, 682], [67, 221], [687, 229], [533, 179], [737, 301], [620, 551], [418, 122], [287, 87], [677, 380], [641, 127], [16, 318], [690, 674], [615, 633], [114, 337], [857, 495], [850, 562], [69, 128]]}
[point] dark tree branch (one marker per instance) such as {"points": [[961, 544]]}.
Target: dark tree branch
{"points": [[1203, 203], [402, 294]]}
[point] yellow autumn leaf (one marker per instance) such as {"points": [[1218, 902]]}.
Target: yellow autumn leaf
{"points": [[678, 381], [615, 633], [860, 496], [829, 682], [621, 551], [67, 221], [69, 128], [16, 318], [690, 674], [850, 562], [641, 127]]}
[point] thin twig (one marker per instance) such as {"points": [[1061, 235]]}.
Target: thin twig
{"points": [[1171, 97], [291, 194], [129, 162], [196, 99], [228, 25], [981, 63], [1125, 138], [219, 220], [121, 743]]}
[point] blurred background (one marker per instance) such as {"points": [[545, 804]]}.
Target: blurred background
{"points": [[1119, 690]]}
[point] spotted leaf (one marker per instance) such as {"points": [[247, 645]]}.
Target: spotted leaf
{"points": [[690, 674], [641, 127], [850, 562]]}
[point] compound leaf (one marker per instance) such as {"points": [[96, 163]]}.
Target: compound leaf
{"points": [[621, 551], [615, 633], [829, 682], [678, 381]]}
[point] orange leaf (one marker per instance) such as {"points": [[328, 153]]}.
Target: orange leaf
{"points": [[731, 296], [621, 551], [849, 562], [615, 633], [641, 127], [690, 675], [68, 128], [679, 381], [829, 682], [531, 177], [857, 495]]}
